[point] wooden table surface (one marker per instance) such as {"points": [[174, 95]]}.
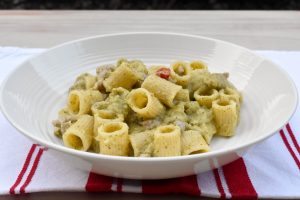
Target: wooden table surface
{"points": [[263, 30], [252, 29]]}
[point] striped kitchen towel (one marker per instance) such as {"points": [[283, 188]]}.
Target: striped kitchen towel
{"points": [[270, 169]]}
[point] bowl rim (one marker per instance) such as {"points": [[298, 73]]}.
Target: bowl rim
{"points": [[91, 155]]}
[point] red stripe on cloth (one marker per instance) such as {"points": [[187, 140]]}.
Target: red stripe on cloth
{"points": [[187, 184], [119, 184], [288, 127], [238, 181], [23, 170], [285, 141], [219, 183], [98, 183], [32, 171]]}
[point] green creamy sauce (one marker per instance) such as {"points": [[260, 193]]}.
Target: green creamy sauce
{"points": [[197, 114], [203, 80], [80, 82], [117, 101], [175, 114], [188, 114]]}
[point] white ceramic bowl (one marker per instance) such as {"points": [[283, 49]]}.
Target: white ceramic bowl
{"points": [[34, 92]]}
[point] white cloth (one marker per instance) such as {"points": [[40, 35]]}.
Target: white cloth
{"points": [[269, 170]]}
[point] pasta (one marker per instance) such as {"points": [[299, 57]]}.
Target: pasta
{"points": [[198, 65], [105, 116], [79, 136], [144, 103], [167, 141], [192, 142], [99, 106], [206, 98], [123, 76], [84, 81], [127, 109], [207, 130], [183, 95], [181, 72], [225, 116], [102, 117], [198, 81], [142, 143], [80, 101], [164, 90], [113, 138], [137, 66], [230, 94]]}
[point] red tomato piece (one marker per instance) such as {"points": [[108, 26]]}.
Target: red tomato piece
{"points": [[163, 73]]}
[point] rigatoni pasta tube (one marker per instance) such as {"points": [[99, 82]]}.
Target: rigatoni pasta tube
{"points": [[84, 81], [100, 118], [167, 141], [198, 65], [198, 81], [230, 94], [142, 143], [225, 117], [80, 134], [99, 106], [208, 130], [104, 116], [123, 76], [181, 72], [144, 103], [164, 90], [192, 142], [80, 101], [114, 139], [89, 80], [183, 95], [206, 98]]}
